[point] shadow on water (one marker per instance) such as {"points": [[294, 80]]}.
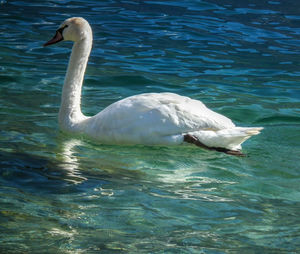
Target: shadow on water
{"points": [[67, 168], [76, 162], [32, 172]]}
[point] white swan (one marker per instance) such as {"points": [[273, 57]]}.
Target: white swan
{"points": [[149, 119]]}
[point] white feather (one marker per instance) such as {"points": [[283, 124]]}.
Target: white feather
{"points": [[151, 119]]}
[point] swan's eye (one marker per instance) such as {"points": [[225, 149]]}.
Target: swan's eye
{"points": [[60, 30]]}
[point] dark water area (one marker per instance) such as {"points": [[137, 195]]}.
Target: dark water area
{"points": [[61, 194]]}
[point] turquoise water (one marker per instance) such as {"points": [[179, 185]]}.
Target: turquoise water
{"points": [[65, 195]]}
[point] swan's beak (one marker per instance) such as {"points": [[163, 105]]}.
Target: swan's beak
{"points": [[57, 38]]}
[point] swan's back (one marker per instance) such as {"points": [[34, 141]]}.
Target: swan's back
{"points": [[148, 118]]}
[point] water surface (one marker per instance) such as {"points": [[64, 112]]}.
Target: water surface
{"points": [[60, 194]]}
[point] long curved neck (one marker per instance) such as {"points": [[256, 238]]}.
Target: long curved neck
{"points": [[70, 110]]}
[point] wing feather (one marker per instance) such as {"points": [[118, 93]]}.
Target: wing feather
{"points": [[152, 115]]}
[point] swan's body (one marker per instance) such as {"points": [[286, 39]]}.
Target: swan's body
{"points": [[150, 119]]}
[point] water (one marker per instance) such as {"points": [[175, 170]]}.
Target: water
{"points": [[65, 195]]}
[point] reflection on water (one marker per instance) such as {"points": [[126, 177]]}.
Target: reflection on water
{"points": [[70, 162], [67, 195]]}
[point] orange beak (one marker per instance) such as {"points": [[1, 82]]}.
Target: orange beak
{"points": [[57, 38]]}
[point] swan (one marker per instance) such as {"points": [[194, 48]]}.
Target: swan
{"points": [[147, 119]]}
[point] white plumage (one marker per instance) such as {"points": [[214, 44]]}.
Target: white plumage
{"points": [[150, 119]]}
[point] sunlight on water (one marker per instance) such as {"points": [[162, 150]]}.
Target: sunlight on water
{"points": [[61, 194]]}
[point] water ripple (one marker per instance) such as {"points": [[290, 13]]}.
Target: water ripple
{"points": [[71, 195]]}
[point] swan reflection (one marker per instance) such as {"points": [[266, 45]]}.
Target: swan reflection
{"points": [[179, 172], [70, 162]]}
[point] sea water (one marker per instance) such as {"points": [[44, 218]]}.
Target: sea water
{"points": [[61, 194]]}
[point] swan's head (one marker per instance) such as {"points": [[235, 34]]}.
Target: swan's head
{"points": [[72, 29]]}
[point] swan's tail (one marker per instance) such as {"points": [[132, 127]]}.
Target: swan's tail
{"points": [[228, 138]]}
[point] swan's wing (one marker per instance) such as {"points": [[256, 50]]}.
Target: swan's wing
{"points": [[146, 117]]}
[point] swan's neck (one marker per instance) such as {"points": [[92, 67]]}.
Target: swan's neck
{"points": [[70, 111]]}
